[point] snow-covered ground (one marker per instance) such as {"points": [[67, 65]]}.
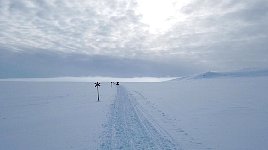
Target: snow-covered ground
{"points": [[220, 114], [52, 116], [195, 114]]}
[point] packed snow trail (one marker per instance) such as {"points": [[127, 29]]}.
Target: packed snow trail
{"points": [[128, 128]]}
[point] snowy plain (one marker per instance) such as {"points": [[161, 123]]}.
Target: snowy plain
{"points": [[195, 114]]}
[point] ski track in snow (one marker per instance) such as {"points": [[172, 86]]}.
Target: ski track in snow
{"points": [[128, 128]]}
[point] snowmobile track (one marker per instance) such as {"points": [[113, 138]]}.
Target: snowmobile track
{"points": [[128, 128]]}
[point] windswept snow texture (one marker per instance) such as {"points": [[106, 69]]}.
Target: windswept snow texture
{"points": [[217, 114], [128, 128]]}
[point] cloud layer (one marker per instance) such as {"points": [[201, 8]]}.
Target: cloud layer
{"points": [[55, 64], [70, 26], [208, 34]]}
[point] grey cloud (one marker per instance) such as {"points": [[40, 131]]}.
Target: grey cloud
{"points": [[222, 34], [255, 11], [216, 34], [54, 64], [80, 26]]}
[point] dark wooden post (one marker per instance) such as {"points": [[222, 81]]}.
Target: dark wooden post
{"points": [[97, 84]]}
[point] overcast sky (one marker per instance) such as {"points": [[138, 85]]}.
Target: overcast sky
{"points": [[131, 37]]}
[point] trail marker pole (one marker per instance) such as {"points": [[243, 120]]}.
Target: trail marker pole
{"points": [[97, 84]]}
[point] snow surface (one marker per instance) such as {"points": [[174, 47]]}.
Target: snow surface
{"points": [[217, 114], [52, 116], [129, 126]]}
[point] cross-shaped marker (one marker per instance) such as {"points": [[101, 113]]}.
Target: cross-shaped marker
{"points": [[97, 84]]}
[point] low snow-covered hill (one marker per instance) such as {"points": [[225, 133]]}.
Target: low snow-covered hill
{"points": [[215, 74]]}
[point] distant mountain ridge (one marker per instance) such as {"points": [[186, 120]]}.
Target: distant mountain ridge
{"points": [[214, 74]]}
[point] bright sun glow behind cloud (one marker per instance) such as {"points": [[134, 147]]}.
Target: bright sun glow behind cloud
{"points": [[160, 15]]}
